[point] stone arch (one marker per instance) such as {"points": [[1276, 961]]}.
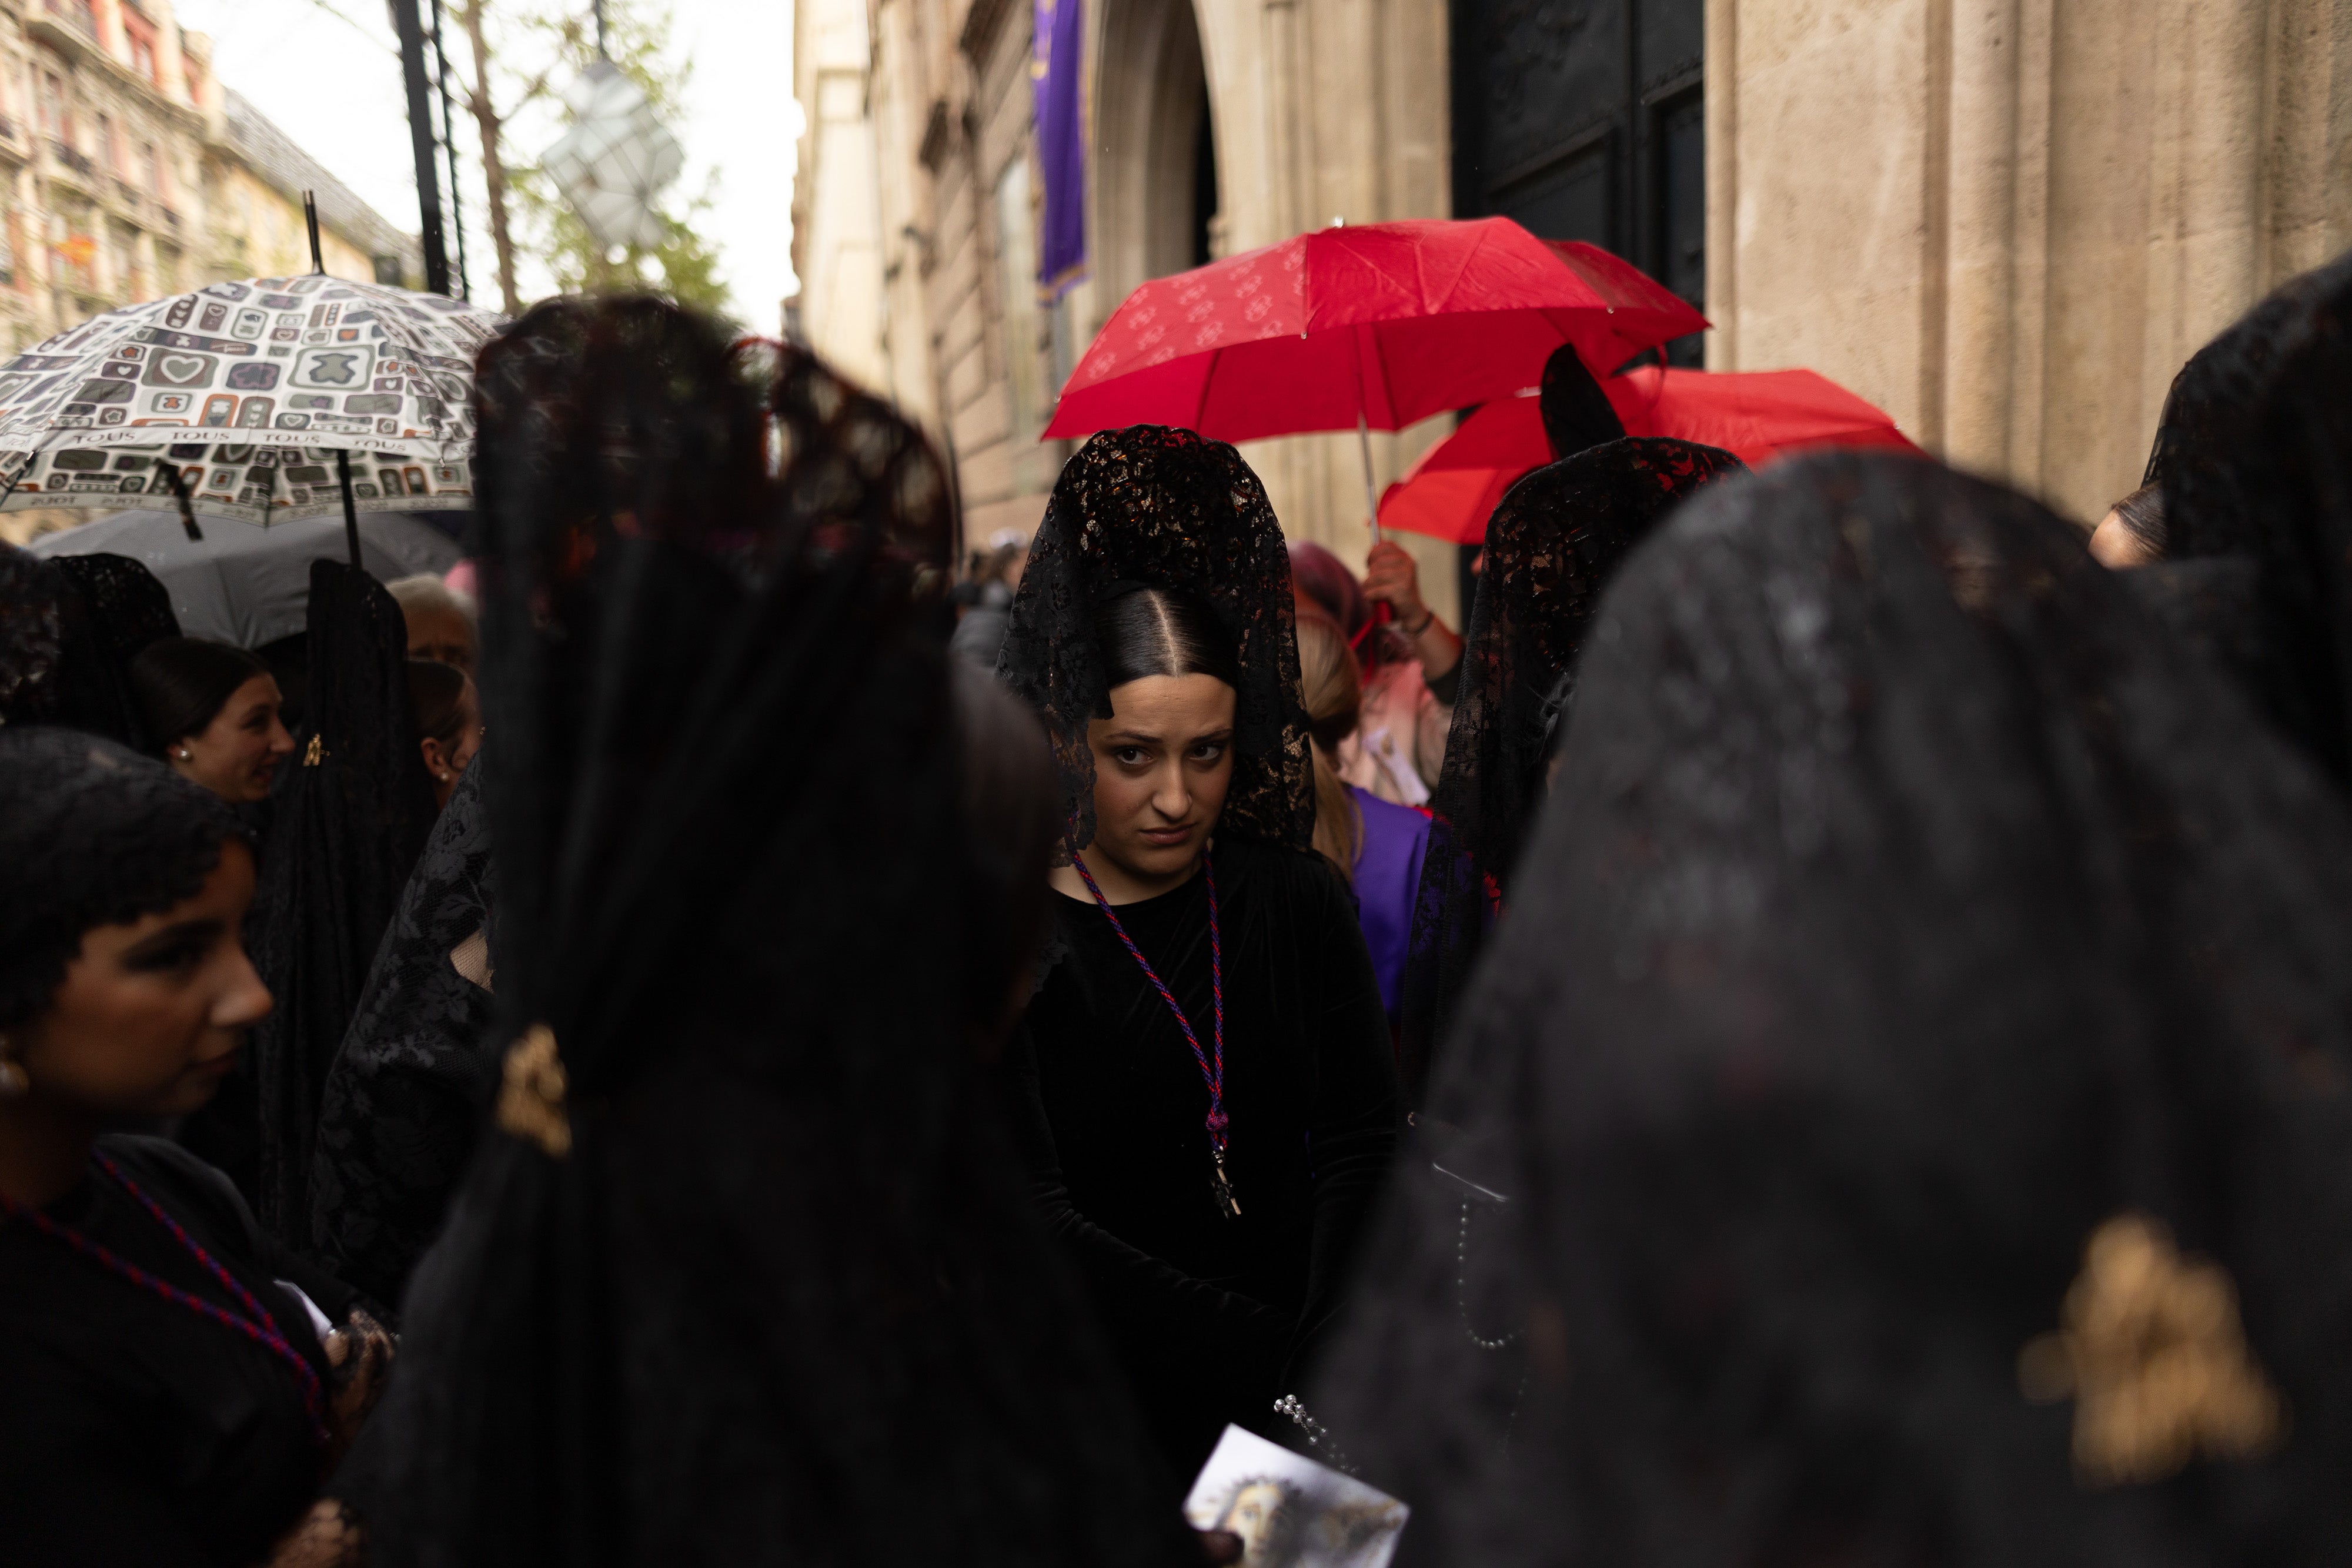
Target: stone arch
{"points": [[1155, 164]]}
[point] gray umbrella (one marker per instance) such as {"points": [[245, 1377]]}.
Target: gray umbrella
{"points": [[249, 585]]}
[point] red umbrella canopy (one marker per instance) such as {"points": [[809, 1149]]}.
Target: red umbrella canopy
{"points": [[1388, 323], [1757, 415]]}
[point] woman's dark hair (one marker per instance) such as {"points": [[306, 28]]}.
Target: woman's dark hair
{"points": [[1162, 631], [182, 683], [437, 699], [91, 834], [2142, 512]]}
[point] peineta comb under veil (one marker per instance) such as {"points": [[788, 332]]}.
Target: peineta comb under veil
{"points": [[742, 1273], [1553, 543], [1164, 507], [1910, 907]]}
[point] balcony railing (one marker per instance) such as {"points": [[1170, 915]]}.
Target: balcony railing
{"points": [[79, 14], [65, 154]]}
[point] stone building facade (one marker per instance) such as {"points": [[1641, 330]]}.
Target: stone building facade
{"points": [[126, 172], [2005, 221]]}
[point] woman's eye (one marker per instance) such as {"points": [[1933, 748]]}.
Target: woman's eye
{"points": [[1208, 751], [1130, 756], [178, 955]]}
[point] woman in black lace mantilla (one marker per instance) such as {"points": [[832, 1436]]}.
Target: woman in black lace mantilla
{"points": [[1554, 541], [1202, 1081]]}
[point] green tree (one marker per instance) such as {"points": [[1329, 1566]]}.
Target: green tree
{"points": [[526, 51], [681, 266]]}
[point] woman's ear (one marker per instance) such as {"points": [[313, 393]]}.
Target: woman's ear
{"points": [[436, 758]]}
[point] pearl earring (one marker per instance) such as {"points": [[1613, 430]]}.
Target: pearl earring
{"points": [[184, 755]]}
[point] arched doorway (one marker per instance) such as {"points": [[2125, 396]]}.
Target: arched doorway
{"points": [[1157, 199]]}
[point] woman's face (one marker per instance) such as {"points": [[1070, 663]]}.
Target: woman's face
{"points": [[236, 755], [447, 763], [437, 632], [150, 1012], [1163, 761]]}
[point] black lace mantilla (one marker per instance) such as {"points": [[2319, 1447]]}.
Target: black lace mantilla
{"points": [[1552, 545], [399, 1112], [350, 811], [2255, 464], [70, 627], [779, 1296], [1164, 507], [1909, 905]]}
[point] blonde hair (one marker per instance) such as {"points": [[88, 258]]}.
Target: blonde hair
{"points": [[1332, 693]]}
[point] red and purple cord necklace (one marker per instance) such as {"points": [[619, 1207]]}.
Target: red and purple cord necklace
{"points": [[259, 1326], [1212, 1066]]}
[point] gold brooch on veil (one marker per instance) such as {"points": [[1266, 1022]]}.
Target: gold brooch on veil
{"points": [[2156, 1360], [530, 1098]]}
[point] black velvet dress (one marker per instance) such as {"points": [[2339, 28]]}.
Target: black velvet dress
{"points": [[132, 1429], [1208, 1314]]}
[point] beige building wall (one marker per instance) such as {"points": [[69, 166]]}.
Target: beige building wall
{"points": [[836, 221], [2007, 221], [1320, 110]]}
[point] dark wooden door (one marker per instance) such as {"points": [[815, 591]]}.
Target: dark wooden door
{"points": [[1584, 120]]}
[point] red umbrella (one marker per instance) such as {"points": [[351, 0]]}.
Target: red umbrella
{"points": [[1758, 415], [1354, 328]]}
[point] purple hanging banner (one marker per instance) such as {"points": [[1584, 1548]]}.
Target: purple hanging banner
{"points": [[1059, 76]]}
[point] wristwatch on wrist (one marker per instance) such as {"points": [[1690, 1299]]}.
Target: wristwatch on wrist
{"points": [[1427, 615]]}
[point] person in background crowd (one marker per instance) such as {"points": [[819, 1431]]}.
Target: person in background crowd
{"points": [[2255, 469], [448, 722], [1556, 538], [985, 595], [742, 1270], [2132, 533], [1395, 751], [1903, 1121], [175, 1384], [440, 622], [1202, 1083], [1376, 844], [214, 709]]}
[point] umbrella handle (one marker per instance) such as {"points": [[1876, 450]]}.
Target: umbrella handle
{"points": [[179, 483], [350, 513]]}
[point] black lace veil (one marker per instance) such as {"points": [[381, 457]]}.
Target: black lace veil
{"points": [[2253, 460], [753, 1280], [1910, 904], [70, 627], [401, 1104], [349, 815], [1553, 543], [1164, 507]]}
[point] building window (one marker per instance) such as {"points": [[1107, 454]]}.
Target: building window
{"points": [[142, 57], [108, 147], [53, 107], [150, 169]]}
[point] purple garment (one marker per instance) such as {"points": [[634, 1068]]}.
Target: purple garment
{"points": [[1059, 77], [1388, 875]]}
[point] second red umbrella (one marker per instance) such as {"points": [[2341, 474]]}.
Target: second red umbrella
{"points": [[1757, 415]]}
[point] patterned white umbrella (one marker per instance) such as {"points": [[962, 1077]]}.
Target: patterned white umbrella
{"points": [[255, 396]]}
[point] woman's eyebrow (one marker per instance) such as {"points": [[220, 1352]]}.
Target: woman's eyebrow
{"points": [[207, 928]]}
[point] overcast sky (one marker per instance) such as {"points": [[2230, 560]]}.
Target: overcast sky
{"points": [[327, 72]]}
